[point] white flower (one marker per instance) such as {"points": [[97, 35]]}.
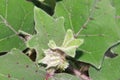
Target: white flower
{"points": [[56, 56]]}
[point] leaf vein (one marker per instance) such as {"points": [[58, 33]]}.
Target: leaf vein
{"points": [[7, 24], [7, 37], [87, 20], [69, 16]]}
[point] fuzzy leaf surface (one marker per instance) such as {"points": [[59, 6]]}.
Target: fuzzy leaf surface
{"points": [[115, 4], [110, 70], [17, 66], [94, 21], [14, 16], [47, 29]]}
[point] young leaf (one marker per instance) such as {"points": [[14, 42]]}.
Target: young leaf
{"points": [[52, 44], [55, 56], [70, 44], [47, 29]]}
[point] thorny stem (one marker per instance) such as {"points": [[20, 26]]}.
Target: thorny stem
{"points": [[79, 69], [118, 17], [50, 73], [79, 74]]}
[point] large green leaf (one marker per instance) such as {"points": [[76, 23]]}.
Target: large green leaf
{"points": [[75, 12], [47, 29], [17, 66], [110, 70], [15, 15], [93, 21], [116, 4], [64, 76]]}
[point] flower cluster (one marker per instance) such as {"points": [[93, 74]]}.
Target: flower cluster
{"points": [[55, 56]]}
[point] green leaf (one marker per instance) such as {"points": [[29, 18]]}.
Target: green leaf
{"points": [[14, 16], [54, 55], [117, 7], [110, 70], [68, 37], [94, 21], [52, 44], [64, 76], [75, 12], [17, 66], [116, 49], [69, 44], [117, 17], [47, 29], [70, 40]]}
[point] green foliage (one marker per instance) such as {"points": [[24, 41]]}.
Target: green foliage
{"points": [[110, 70], [54, 55], [14, 16], [17, 66], [115, 4], [53, 30], [69, 44], [94, 21]]}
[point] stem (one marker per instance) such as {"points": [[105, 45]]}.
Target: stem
{"points": [[79, 74]]}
